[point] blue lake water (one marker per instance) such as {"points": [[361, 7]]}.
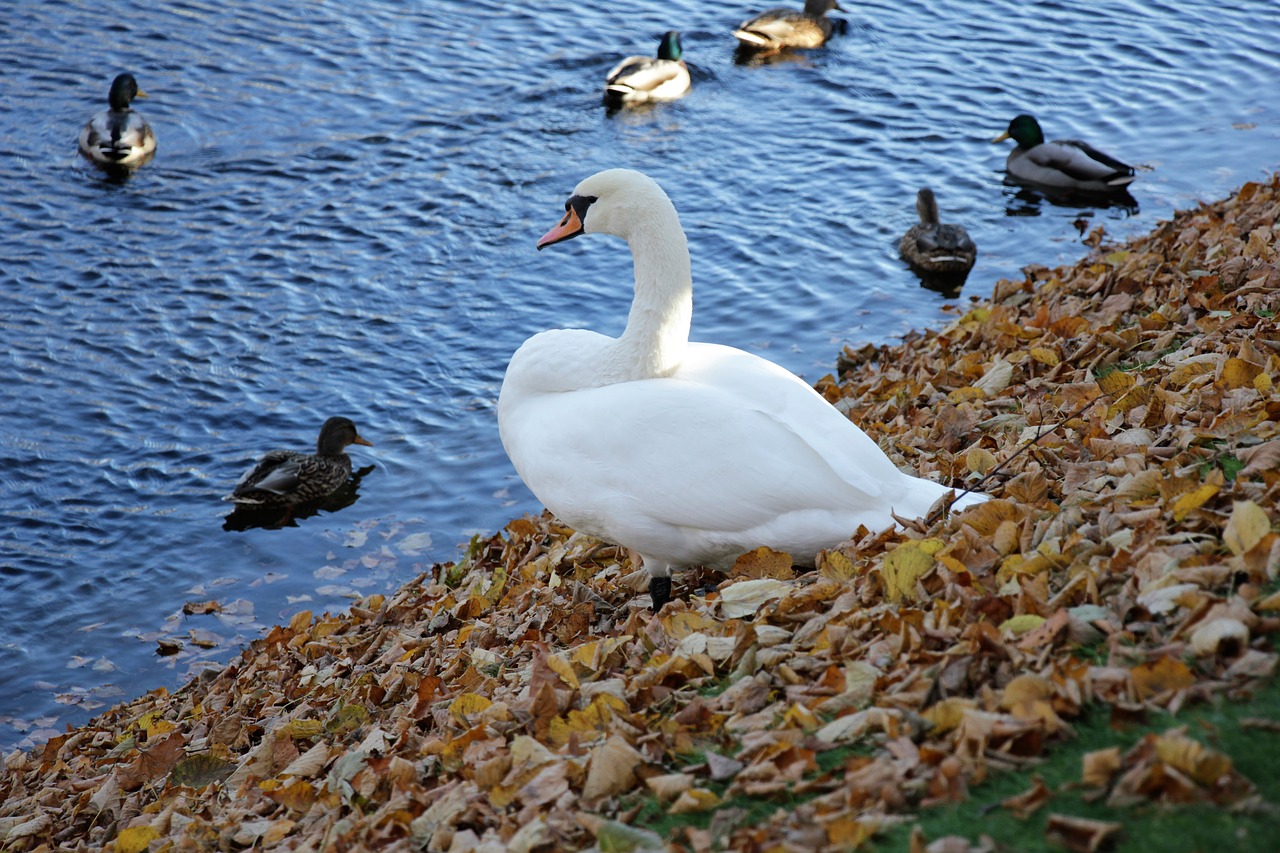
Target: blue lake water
{"points": [[341, 218]]}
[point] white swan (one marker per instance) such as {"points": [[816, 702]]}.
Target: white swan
{"points": [[688, 453]]}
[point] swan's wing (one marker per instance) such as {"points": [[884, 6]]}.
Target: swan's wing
{"points": [[732, 442]]}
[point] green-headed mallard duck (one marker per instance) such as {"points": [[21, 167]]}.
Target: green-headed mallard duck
{"points": [[119, 136], [1064, 164], [287, 477], [934, 248], [638, 79], [782, 28]]}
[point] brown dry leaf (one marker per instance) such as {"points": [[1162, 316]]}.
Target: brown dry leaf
{"points": [[1029, 801], [763, 563], [612, 770], [155, 761], [201, 607], [1166, 673], [197, 771], [1080, 835], [1259, 458], [1100, 766], [669, 785]]}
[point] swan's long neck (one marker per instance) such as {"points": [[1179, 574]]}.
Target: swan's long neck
{"points": [[657, 332]]}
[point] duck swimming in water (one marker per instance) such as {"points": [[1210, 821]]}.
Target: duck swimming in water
{"points": [[640, 79], [689, 453], [119, 137], [777, 29], [288, 477], [1064, 165], [933, 248]]}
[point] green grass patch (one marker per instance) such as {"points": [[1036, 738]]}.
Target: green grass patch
{"points": [[1148, 828]]}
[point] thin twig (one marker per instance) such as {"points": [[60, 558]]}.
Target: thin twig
{"points": [[1023, 449]]}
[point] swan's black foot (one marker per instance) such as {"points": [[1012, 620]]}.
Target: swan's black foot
{"points": [[660, 592]]}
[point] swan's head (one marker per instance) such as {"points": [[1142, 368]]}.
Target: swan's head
{"points": [[615, 201]]}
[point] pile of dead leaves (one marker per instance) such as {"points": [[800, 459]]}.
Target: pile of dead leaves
{"points": [[1122, 414]]}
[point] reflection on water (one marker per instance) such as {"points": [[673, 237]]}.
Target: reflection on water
{"points": [[1026, 201], [340, 217]]}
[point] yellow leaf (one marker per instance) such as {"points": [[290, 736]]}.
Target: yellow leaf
{"points": [[303, 728], [1246, 527], [564, 669], [905, 565], [135, 839], [1262, 383], [694, 800], [964, 395], [1192, 757], [1045, 356], [1238, 373], [1020, 625], [836, 566], [467, 705], [1116, 383], [1167, 673], [980, 460], [1100, 765], [1193, 500], [300, 621], [948, 714]]}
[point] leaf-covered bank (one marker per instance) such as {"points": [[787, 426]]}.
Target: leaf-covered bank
{"points": [[521, 699]]}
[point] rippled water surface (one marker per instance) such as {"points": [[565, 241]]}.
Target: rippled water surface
{"points": [[341, 219]]}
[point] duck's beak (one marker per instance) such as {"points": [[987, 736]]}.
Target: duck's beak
{"points": [[362, 440], [1002, 137], [141, 94], [570, 226]]}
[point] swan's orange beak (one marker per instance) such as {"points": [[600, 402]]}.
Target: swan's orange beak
{"points": [[570, 226]]}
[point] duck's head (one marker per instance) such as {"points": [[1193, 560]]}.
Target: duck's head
{"points": [[670, 47], [336, 434], [123, 90], [614, 202], [818, 8], [1024, 130]]}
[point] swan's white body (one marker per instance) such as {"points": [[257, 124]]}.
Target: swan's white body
{"points": [[689, 453]]}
